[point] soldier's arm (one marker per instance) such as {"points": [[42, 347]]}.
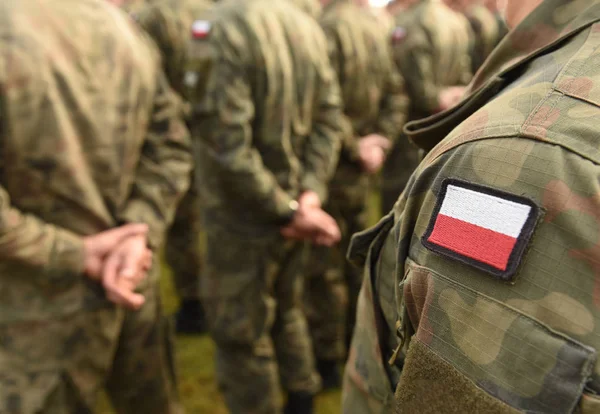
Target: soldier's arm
{"points": [[394, 104], [416, 62], [226, 117], [26, 239], [163, 171], [323, 144], [167, 29], [338, 60]]}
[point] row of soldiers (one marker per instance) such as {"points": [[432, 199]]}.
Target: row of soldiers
{"points": [[408, 62], [292, 109]]}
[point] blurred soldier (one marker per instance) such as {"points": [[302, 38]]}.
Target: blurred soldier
{"points": [[487, 32], [431, 45], [374, 108], [492, 6], [174, 26], [482, 285], [91, 138], [271, 126]]}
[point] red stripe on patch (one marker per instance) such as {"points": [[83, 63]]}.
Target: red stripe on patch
{"points": [[473, 241]]}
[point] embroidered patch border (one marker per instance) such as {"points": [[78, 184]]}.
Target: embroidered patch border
{"points": [[522, 240]]}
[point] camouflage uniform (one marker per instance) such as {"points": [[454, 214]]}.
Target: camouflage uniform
{"points": [[170, 24], [487, 33], [91, 137], [517, 334], [431, 46], [374, 103], [271, 120]]}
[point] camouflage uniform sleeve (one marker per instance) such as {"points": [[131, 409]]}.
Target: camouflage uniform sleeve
{"points": [[163, 172], [26, 239], [416, 64], [394, 105], [322, 148], [164, 26], [226, 118], [337, 59]]}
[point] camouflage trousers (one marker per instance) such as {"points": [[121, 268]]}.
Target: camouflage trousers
{"points": [[251, 293], [399, 166], [182, 249], [58, 366], [333, 283]]}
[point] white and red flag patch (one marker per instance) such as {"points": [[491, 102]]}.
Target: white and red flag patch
{"points": [[201, 29], [481, 226]]}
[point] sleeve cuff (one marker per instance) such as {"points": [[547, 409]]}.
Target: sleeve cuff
{"points": [[68, 253]]}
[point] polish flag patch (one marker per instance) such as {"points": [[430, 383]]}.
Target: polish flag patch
{"points": [[201, 29], [481, 226]]}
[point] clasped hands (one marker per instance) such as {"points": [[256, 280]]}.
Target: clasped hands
{"points": [[372, 151], [119, 259], [311, 222]]}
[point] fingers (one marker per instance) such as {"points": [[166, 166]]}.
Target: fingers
{"points": [[309, 199], [123, 271], [382, 142], [134, 260], [119, 234], [120, 290]]}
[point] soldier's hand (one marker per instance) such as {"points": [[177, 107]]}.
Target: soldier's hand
{"points": [[371, 151], [450, 97], [98, 246], [309, 199], [124, 269], [313, 224]]}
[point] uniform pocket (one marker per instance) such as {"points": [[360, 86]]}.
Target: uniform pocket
{"points": [[488, 349]]}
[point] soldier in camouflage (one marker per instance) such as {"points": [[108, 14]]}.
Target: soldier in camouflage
{"points": [[374, 109], [174, 25], [270, 127], [91, 138], [487, 32], [482, 285], [431, 45]]}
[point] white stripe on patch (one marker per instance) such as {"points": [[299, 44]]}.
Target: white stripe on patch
{"points": [[484, 210]]}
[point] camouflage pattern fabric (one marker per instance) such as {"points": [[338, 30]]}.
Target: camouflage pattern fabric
{"points": [[478, 341], [272, 124], [274, 133], [431, 45], [132, 166], [311, 7], [183, 251], [487, 33], [374, 102], [170, 24], [251, 293]]}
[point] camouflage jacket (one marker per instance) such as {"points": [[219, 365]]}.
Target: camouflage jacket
{"points": [[487, 33], [271, 118], [431, 46], [311, 7], [91, 137], [486, 276], [372, 89]]}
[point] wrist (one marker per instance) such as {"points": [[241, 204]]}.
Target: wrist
{"points": [[292, 210]]}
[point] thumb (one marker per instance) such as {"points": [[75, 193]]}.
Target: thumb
{"points": [[134, 261], [384, 143]]}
